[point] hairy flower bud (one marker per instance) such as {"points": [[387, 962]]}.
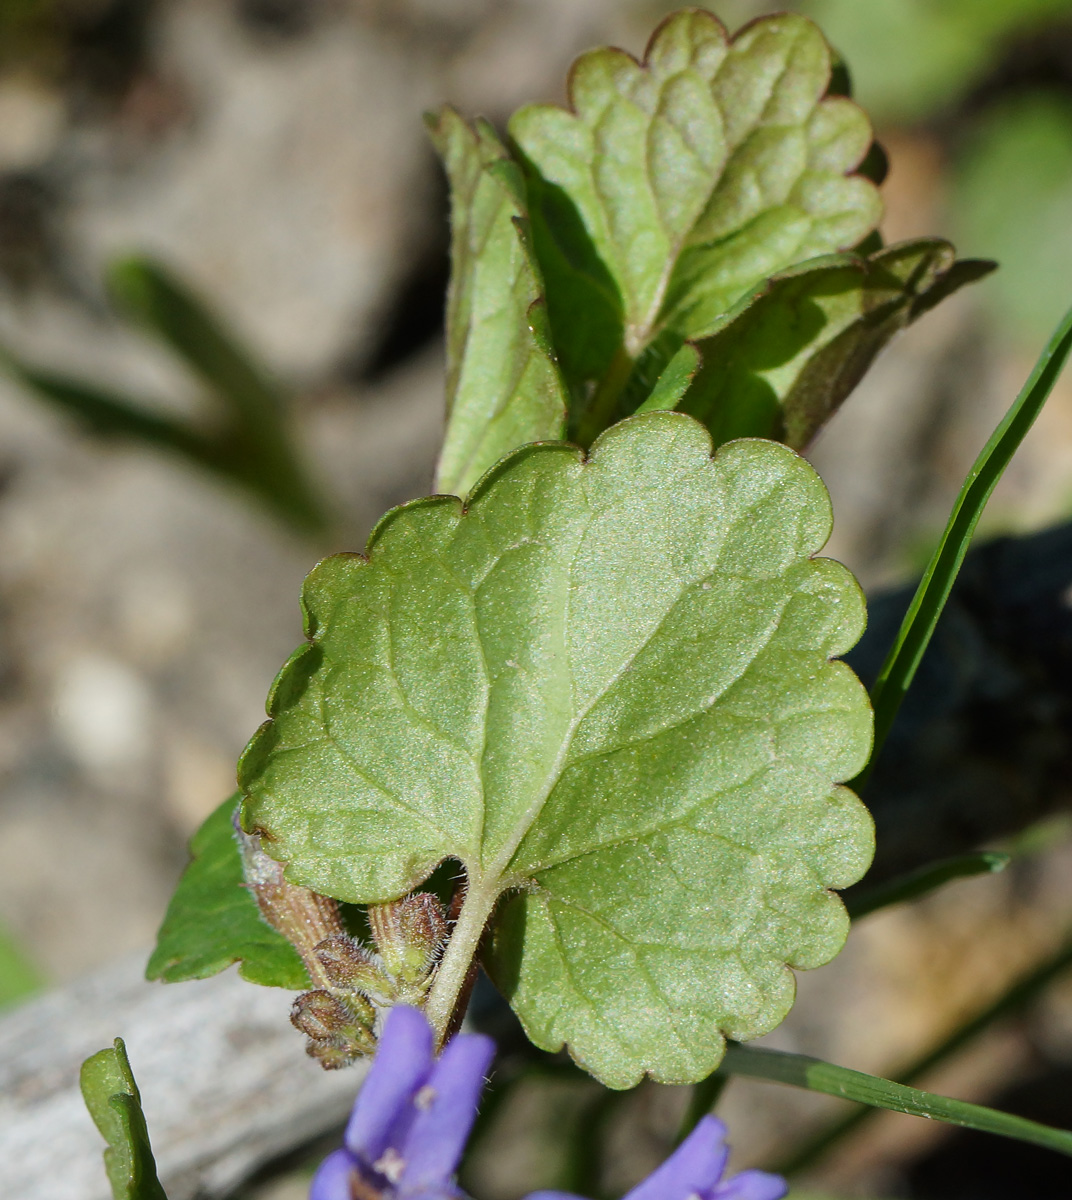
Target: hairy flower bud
{"points": [[409, 934], [347, 964], [334, 1054], [323, 1017]]}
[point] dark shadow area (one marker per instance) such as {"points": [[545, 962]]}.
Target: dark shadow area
{"points": [[975, 1166], [415, 317], [982, 746]]}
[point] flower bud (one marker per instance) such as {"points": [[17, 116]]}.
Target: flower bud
{"points": [[347, 964], [323, 1017], [333, 1054], [409, 934]]}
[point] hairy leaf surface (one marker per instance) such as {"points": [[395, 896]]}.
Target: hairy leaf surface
{"points": [[786, 362], [673, 186], [213, 919], [604, 686], [503, 385]]}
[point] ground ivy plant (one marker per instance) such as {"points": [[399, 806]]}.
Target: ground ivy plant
{"points": [[603, 683], [579, 719]]}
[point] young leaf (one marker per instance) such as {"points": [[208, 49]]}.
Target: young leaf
{"points": [[604, 686], [213, 919], [112, 1097], [798, 347], [673, 381], [675, 185], [503, 385]]}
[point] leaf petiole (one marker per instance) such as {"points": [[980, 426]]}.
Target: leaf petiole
{"points": [[459, 955]]}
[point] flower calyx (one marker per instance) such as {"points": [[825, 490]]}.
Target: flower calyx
{"points": [[339, 1016]]}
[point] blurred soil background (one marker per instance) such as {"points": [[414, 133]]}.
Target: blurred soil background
{"points": [[272, 154]]}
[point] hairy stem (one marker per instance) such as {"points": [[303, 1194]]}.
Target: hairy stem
{"points": [[458, 957]]}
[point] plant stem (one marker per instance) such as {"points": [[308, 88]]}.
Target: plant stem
{"points": [[458, 957], [603, 404], [705, 1095]]}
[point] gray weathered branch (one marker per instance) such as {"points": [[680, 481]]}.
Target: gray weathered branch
{"points": [[225, 1083]]}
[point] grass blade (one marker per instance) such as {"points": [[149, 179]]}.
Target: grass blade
{"points": [[926, 879], [797, 1070], [1021, 993], [919, 623], [108, 414], [261, 451]]}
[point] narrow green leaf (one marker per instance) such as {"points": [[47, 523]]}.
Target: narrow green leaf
{"points": [[112, 1097], [604, 686], [926, 879], [674, 382], [259, 447], [108, 414], [166, 306], [797, 1070], [1014, 999], [503, 384], [795, 350], [919, 623], [213, 919], [672, 187]]}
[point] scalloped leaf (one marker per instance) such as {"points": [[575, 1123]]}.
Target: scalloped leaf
{"points": [[673, 186], [213, 920], [784, 364], [503, 384], [604, 686], [111, 1095]]}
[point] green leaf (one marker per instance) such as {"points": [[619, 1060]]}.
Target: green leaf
{"points": [[503, 384], [795, 350], [797, 1070], [674, 186], [112, 1097], [213, 919], [674, 380], [602, 685], [917, 628], [1023, 992], [257, 443]]}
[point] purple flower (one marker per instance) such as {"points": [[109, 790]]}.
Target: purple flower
{"points": [[414, 1114], [694, 1172], [411, 1119]]}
